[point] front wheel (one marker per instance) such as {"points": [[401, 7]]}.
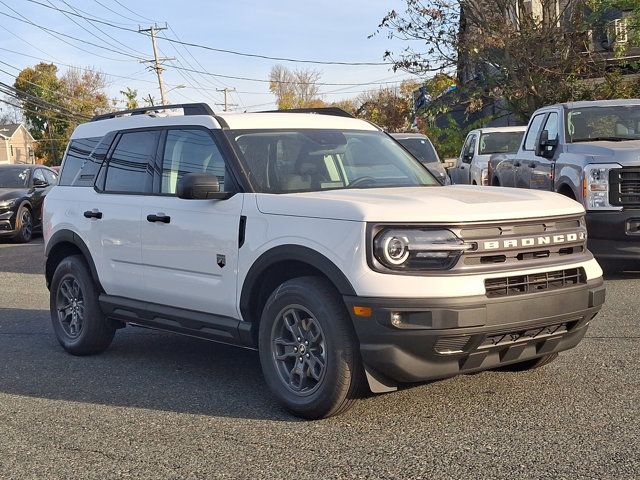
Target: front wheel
{"points": [[308, 349], [24, 225]]}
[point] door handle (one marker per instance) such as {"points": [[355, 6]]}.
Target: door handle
{"points": [[517, 164], [159, 218], [533, 165], [93, 214]]}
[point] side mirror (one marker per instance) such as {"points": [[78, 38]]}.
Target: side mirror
{"points": [[38, 183], [200, 186], [546, 147], [467, 157]]}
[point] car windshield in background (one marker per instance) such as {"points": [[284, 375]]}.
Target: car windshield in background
{"points": [[282, 161], [592, 124], [500, 142], [421, 148], [14, 177]]}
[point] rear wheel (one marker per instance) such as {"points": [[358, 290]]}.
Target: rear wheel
{"points": [[24, 225], [79, 324], [308, 349], [530, 364]]}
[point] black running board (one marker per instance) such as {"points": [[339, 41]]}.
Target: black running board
{"points": [[187, 322]]}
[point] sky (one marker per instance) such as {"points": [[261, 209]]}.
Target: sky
{"points": [[327, 30]]}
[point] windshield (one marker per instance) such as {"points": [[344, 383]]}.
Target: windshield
{"points": [[590, 124], [14, 177], [500, 142], [421, 148], [282, 161]]}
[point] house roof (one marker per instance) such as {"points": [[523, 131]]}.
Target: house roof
{"points": [[9, 129]]}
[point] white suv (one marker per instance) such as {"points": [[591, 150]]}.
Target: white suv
{"points": [[314, 238]]}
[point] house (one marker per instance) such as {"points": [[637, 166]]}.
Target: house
{"points": [[16, 144]]}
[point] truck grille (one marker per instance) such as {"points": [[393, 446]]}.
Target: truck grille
{"points": [[624, 187], [525, 243], [534, 283]]}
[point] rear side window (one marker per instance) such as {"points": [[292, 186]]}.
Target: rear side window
{"points": [[130, 168], [76, 160]]}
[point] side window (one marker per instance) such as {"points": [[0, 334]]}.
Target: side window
{"points": [[190, 151], [76, 159], [551, 125], [130, 168], [50, 177], [532, 132], [37, 174]]}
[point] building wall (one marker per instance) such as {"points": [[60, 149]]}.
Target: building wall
{"points": [[23, 147], [4, 151]]}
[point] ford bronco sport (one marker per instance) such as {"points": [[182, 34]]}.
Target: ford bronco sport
{"points": [[317, 240]]}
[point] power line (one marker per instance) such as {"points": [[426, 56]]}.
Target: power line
{"points": [[221, 50], [131, 11]]}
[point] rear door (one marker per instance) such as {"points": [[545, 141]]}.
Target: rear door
{"points": [[190, 247], [542, 168]]}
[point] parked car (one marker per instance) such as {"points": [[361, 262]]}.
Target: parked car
{"points": [[590, 152], [315, 239], [422, 148], [479, 146], [22, 190]]}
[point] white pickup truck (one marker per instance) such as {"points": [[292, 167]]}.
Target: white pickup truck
{"points": [[479, 146]]}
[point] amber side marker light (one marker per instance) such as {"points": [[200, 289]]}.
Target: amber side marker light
{"points": [[363, 311]]}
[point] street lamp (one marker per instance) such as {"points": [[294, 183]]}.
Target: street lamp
{"points": [[176, 87]]}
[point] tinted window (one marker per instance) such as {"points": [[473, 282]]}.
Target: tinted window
{"points": [[14, 177], [532, 132], [50, 177], [421, 148], [76, 159], [551, 125], [500, 142], [130, 167], [313, 160], [190, 151]]}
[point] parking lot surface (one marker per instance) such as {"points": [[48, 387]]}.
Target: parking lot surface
{"points": [[157, 405]]}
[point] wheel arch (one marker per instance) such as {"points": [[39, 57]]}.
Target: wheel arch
{"points": [[567, 190], [62, 244], [278, 265]]}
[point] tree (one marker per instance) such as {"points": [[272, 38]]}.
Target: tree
{"points": [[53, 106], [530, 57], [295, 88], [131, 98], [390, 107]]}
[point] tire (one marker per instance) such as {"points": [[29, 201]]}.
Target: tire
{"points": [[81, 327], [530, 364], [24, 225], [331, 375]]}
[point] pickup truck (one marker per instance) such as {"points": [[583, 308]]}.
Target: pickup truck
{"points": [[590, 152], [471, 166]]}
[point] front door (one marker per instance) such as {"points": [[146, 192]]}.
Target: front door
{"points": [[190, 247], [542, 168]]}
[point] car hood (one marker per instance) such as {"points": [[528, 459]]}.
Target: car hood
{"points": [[9, 193], [452, 204], [609, 152]]}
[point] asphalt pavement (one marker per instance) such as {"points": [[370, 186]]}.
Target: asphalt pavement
{"points": [[161, 406]]}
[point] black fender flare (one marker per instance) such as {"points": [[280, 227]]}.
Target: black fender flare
{"points": [[298, 253], [68, 236]]}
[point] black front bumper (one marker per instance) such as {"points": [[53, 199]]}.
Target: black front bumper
{"points": [[7, 222], [439, 338], [614, 235]]}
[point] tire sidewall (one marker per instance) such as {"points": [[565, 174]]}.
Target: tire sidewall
{"points": [[340, 349], [20, 237]]}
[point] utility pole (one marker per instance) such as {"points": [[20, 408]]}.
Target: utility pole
{"points": [[226, 103], [157, 61]]}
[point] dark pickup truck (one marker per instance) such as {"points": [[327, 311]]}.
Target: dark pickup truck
{"points": [[589, 151]]}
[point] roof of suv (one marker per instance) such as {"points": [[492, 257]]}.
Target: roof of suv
{"points": [[102, 125]]}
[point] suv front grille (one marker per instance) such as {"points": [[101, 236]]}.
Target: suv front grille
{"points": [[534, 282], [624, 186]]}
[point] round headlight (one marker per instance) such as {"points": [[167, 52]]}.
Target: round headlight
{"points": [[396, 250]]}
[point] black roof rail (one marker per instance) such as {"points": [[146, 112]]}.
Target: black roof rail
{"points": [[188, 108], [335, 111]]}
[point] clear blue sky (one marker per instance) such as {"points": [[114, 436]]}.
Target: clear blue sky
{"points": [[332, 30]]}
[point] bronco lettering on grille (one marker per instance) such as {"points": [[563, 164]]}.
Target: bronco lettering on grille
{"points": [[534, 241]]}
